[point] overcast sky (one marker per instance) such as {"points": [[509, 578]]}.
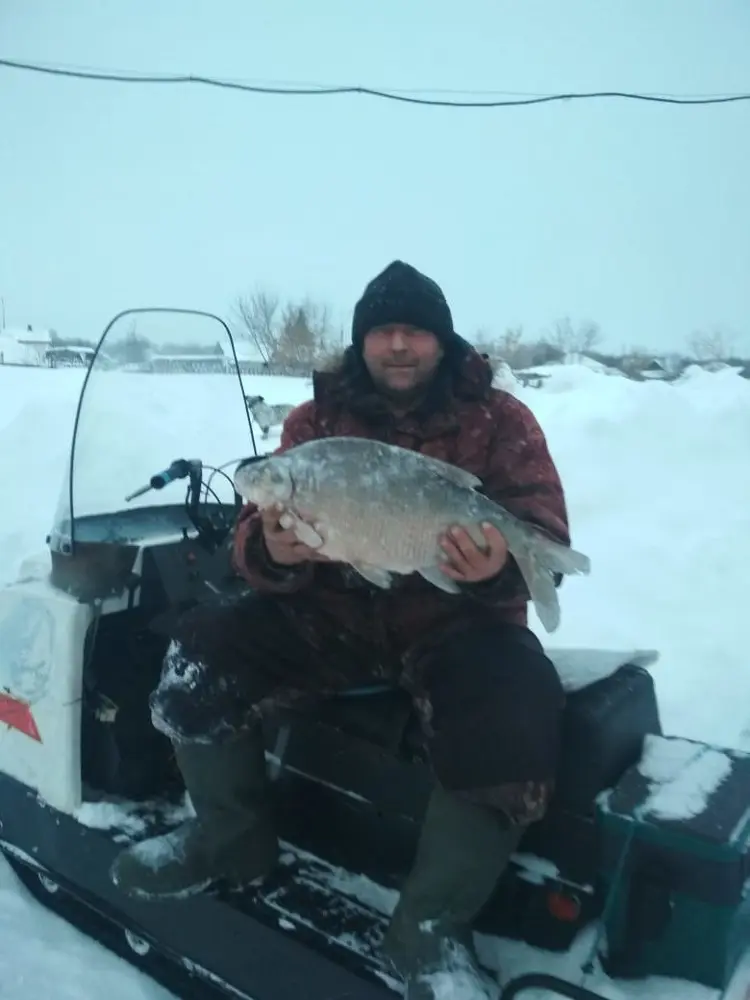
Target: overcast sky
{"points": [[634, 215]]}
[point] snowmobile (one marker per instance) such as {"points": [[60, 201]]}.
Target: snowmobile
{"points": [[647, 840]]}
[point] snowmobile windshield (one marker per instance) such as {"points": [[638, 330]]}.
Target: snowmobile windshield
{"points": [[163, 385]]}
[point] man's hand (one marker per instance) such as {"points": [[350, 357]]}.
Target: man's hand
{"points": [[466, 562], [282, 543]]}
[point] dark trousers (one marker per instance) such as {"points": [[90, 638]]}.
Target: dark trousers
{"points": [[489, 700]]}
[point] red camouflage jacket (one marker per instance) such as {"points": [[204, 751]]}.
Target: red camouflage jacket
{"points": [[487, 432]]}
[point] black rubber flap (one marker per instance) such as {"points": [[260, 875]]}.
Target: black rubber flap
{"points": [[603, 731]]}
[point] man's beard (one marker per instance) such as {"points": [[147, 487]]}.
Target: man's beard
{"points": [[409, 396]]}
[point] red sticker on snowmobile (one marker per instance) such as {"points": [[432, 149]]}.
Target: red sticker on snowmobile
{"points": [[17, 714]]}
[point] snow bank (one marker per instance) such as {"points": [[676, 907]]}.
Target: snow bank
{"points": [[505, 378], [41, 956], [657, 479]]}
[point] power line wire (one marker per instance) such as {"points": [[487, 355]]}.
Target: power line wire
{"points": [[406, 97]]}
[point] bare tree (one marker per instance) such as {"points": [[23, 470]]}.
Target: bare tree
{"points": [[296, 332], [304, 334], [711, 345], [514, 350], [509, 345], [318, 318], [484, 342], [258, 317], [589, 335], [565, 337], [545, 353], [296, 341], [332, 342]]}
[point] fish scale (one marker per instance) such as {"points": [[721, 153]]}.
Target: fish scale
{"points": [[373, 534], [381, 509]]}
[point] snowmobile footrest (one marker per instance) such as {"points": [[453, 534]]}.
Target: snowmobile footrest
{"points": [[538, 981]]}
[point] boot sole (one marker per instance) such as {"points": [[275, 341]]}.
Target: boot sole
{"points": [[192, 890], [233, 884]]}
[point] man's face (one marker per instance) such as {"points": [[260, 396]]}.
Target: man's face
{"points": [[401, 359]]}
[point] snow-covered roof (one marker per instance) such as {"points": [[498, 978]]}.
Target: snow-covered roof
{"points": [[246, 350], [188, 357], [24, 335]]}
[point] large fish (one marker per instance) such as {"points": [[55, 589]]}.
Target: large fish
{"points": [[381, 509]]}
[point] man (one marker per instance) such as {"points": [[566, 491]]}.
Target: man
{"points": [[489, 700]]}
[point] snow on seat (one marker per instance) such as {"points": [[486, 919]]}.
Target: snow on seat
{"points": [[579, 667]]}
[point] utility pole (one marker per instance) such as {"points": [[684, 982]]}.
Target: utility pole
{"points": [[2, 312]]}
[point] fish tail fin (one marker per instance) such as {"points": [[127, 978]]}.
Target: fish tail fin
{"points": [[562, 558], [539, 559], [542, 590], [550, 554]]}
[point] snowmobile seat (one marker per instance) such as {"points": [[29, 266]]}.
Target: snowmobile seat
{"points": [[379, 715], [611, 707], [368, 741]]}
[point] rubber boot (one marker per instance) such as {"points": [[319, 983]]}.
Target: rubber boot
{"points": [[463, 850], [232, 837]]}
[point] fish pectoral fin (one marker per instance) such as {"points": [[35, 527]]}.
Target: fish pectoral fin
{"points": [[435, 576], [374, 574], [308, 535], [305, 532], [542, 589]]}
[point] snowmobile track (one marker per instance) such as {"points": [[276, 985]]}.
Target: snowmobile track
{"points": [[302, 886], [167, 970], [298, 904]]}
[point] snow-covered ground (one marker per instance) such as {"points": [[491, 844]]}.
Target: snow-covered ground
{"points": [[658, 484]]}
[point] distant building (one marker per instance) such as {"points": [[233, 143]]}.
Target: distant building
{"points": [[24, 346], [665, 367], [713, 365], [655, 369], [530, 379], [11, 352], [204, 364], [249, 358], [38, 342], [68, 356]]}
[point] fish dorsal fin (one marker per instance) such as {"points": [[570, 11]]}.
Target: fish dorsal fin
{"points": [[451, 472], [444, 470]]}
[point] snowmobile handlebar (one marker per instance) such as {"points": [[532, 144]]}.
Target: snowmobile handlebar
{"points": [[181, 468], [212, 522]]}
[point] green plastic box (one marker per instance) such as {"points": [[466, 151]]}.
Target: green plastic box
{"points": [[675, 862]]}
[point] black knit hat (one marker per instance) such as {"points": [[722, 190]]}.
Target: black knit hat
{"points": [[402, 294]]}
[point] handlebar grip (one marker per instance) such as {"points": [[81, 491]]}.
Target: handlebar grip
{"points": [[177, 470]]}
